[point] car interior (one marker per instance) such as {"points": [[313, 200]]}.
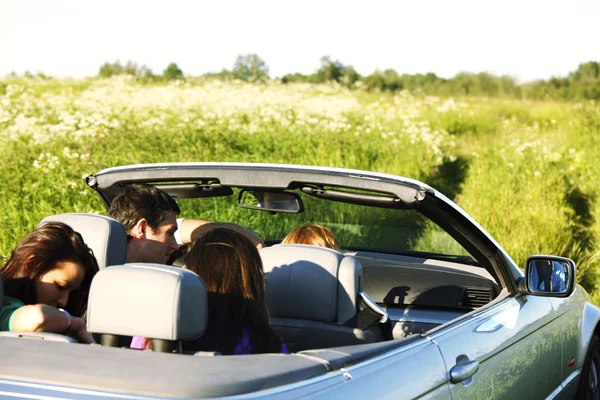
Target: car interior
{"points": [[331, 309], [168, 305], [316, 297]]}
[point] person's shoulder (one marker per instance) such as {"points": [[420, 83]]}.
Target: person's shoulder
{"points": [[7, 310], [243, 347], [11, 302]]}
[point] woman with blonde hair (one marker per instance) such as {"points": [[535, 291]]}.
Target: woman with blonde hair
{"points": [[313, 234]]}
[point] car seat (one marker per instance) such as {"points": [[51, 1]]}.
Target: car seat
{"points": [[104, 235], [165, 304], [315, 298]]}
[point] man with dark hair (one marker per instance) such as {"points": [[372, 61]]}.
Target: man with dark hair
{"points": [[149, 216]]}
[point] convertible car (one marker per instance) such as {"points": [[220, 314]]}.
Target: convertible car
{"points": [[421, 302]]}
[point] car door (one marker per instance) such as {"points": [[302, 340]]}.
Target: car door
{"points": [[507, 350], [569, 315]]}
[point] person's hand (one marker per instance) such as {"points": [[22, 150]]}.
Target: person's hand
{"points": [[79, 331]]}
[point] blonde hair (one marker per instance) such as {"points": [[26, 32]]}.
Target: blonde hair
{"points": [[313, 234]]}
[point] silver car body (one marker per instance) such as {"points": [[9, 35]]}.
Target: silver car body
{"points": [[525, 346]]}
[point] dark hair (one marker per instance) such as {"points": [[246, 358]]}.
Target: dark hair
{"points": [[142, 201], [38, 253], [232, 271]]}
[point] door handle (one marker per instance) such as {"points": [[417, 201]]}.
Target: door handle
{"points": [[462, 372]]}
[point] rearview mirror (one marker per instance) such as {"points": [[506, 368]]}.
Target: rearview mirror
{"points": [[550, 276], [273, 201]]}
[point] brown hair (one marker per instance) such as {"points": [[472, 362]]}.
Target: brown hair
{"points": [[313, 234], [38, 253], [232, 271]]}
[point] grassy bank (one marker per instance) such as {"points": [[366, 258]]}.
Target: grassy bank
{"points": [[527, 171]]}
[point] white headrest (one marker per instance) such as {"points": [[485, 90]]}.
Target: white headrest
{"points": [[310, 282], [105, 236], [150, 300]]}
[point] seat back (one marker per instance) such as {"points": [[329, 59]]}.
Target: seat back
{"points": [[105, 236], [165, 304], [312, 294]]}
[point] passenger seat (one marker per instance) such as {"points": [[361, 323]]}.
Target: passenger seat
{"points": [[314, 295], [105, 236], [107, 239], [163, 303]]}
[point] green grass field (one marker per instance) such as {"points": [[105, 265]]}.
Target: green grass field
{"points": [[526, 171]]}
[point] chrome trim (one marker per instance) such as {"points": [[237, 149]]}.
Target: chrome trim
{"points": [[346, 373], [27, 396], [68, 389], [574, 375], [375, 307]]}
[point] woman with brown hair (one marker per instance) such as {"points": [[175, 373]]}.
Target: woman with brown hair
{"points": [[313, 234], [232, 271], [238, 323], [46, 283]]}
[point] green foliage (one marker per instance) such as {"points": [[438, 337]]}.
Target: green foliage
{"points": [[111, 69], [224, 75], [581, 84], [330, 70], [349, 76], [172, 72], [375, 81], [250, 67], [587, 72], [584, 83], [295, 78], [527, 171]]}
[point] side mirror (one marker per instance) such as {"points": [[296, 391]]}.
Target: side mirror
{"points": [[272, 201], [549, 276]]}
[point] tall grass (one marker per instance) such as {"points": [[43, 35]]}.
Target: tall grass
{"points": [[527, 171]]}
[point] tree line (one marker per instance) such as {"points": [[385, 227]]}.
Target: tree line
{"points": [[583, 83]]}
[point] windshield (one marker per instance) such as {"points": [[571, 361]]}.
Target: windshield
{"points": [[356, 227]]}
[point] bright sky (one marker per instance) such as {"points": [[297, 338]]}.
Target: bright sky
{"points": [[527, 39]]}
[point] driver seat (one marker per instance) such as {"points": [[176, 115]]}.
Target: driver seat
{"points": [[315, 298]]}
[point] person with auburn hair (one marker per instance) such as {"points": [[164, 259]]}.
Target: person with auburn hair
{"points": [[47, 281], [313, 234], [231, 268]]}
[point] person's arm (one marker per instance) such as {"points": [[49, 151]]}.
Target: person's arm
{"points": [[193, 228], [43, 318]]}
